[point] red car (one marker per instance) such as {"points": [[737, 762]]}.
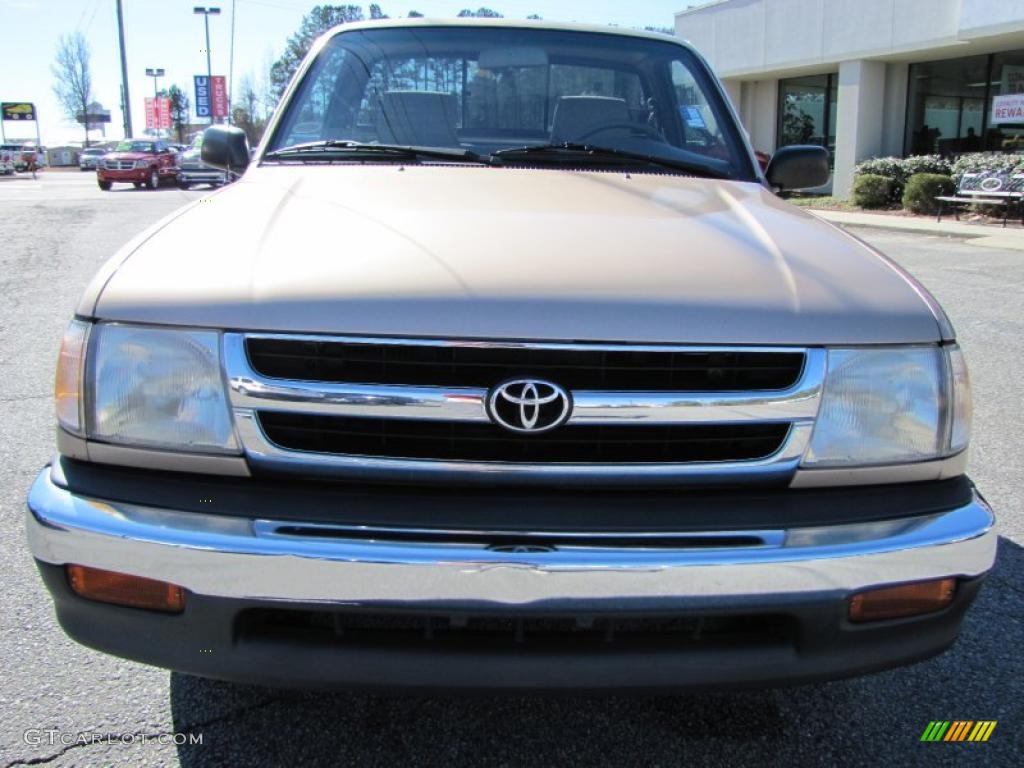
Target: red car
{"points": [[138, 162]]}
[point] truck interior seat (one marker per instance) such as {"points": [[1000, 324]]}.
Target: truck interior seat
{"points": [[418, 118], [575, 116]]}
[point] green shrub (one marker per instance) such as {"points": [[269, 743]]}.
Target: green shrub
{"points": [[922, 189], [870, 190], [889, 167], [899, 169], [996, 162], [925, 164]]}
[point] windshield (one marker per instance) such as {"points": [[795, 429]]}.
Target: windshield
{"points": [[135, 146], [491, 89]]}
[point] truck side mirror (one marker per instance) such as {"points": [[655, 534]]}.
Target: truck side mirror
{"points": [[226, 148], [800, 166]]}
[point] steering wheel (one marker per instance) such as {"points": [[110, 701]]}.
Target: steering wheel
{"points": [[622, 126]]}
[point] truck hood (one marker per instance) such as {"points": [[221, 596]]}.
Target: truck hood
{"points": [[128, 156], [478, 252]]}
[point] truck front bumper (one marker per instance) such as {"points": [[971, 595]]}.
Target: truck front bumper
{"points": [[201, 176], [128, 176], [788, 588]]}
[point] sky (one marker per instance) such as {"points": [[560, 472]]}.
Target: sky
{"points": [[166, 33]]}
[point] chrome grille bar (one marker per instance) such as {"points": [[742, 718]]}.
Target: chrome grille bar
{"points": [[250, 390], [264, 454], [252, 393]]}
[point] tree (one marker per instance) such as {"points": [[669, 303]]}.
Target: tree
{"points": [[415, 15], [265, 89], [481, 13], [245, 112], [314, 24], [73, 73], [376, 12], [179, 111]]}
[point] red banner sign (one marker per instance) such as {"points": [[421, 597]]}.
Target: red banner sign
{"points": [[163, 110], [219, 92], [158, 113]]}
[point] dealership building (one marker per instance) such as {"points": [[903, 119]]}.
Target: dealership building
{"points": [[869, 78]]}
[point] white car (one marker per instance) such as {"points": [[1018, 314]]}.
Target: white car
{"points": [[89, 158]]}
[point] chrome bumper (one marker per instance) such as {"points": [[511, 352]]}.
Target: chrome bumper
{"points": [[256, 559], [201, 176]]}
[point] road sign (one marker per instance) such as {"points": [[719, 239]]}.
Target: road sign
{"points": [[93, 116], [219, 91], [202, 96], [19, 110]]}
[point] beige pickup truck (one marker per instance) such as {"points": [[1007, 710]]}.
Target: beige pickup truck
{"points": [[504, 366]]}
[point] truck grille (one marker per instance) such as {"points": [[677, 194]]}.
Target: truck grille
{"points": [[118, 165], [465, 441], [651, 370], [428, 411]]}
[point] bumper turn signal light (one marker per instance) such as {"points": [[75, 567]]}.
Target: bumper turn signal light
{"points": [[902, 600], [123, 589]]}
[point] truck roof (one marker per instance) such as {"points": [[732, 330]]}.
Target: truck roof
{"points": [[538, 24]]}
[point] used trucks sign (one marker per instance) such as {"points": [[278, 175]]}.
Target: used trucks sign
{"points": [[202, 95], [211, 96]]}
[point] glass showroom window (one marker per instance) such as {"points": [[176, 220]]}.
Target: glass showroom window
{"points": [[950, 105], [946, 112], [807, 111], [1007, 78]]}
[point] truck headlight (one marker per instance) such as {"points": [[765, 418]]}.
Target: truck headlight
{"points": [[158, 388], [891, 406], [142, 163]]}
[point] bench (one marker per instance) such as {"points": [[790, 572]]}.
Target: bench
{"points": [[984, 188]]}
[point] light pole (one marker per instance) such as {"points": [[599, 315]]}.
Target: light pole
{"points": [[156, 73], [231, 62], [126, 102], [207, 13]]}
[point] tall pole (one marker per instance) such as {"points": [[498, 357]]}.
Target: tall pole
{"points": [[231, 62], [209, 67], [127, 110]]}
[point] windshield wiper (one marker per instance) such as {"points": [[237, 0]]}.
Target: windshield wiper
{"points": [[333, 148], [574, 151]]}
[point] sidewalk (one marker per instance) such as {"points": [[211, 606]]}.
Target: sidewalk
{"points": [[986, 235]]}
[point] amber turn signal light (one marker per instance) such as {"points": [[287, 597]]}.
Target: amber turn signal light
{"points": [[902, 600], [123, 589]]}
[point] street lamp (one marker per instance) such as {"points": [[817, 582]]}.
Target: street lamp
{"points": [[156, 73], [207, 13]]}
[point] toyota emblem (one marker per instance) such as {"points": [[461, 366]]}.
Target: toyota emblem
{"points": [[529, 405]]}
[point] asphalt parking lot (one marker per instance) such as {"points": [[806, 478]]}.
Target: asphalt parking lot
{"points": [[56, 231]]}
